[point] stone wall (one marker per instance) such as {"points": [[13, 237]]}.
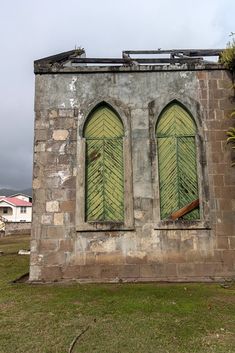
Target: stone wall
{"points": [[64, 246], [217, 101], [17, 228]]}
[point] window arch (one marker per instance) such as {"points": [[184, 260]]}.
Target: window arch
{"points": [[104, 167], [177, 161]]}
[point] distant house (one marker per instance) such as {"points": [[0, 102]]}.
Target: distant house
{"points": [[22, 197], [16, 208]]}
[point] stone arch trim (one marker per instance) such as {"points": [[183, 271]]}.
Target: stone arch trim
{"points": [[110, 117], [193, 108], [182, 110], [117, 107]]}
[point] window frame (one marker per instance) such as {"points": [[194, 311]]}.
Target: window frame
{"points": [[173, 139], [103, 149], [192, 107], [5, 210], [23, 209], [81, 224]]}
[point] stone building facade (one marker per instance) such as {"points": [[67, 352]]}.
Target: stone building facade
{"points": [[137, 239]]}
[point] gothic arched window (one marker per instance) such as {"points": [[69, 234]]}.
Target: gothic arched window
{"points": [[104, 167], [177, 161]]}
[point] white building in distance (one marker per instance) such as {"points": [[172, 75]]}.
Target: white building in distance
{"points": [[16, 208]]}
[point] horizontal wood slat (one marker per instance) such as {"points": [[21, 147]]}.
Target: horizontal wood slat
{"points": [[134, 60], [188, 52]]}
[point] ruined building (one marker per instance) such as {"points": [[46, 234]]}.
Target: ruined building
{"points": [[132, 174]]}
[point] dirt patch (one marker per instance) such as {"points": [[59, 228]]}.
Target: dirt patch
{"points": [[221, 336], [225, 300], [6, 306], [77, 302]]}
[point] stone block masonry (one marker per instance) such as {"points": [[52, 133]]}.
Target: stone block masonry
{"points": [[142, 247]]}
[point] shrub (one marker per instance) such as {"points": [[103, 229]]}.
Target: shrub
{"points": [[227, 57]]}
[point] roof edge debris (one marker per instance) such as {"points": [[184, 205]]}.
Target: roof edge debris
{"points": [[76, 61]]}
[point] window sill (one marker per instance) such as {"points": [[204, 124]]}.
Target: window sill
{"points": [[182, 225], [103, 226]]}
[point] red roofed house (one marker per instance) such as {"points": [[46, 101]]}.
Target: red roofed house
{"points": [[16, 209]]}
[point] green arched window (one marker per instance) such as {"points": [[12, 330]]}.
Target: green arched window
{"points": [[104, 198], [177, 164]]}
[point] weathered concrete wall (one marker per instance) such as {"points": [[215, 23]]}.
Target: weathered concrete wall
{"points": [[17, 228], [147, 248]]}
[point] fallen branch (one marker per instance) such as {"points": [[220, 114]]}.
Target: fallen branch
{"points": [[184, 210], [76, 339]]}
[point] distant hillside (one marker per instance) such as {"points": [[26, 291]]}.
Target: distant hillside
{"points": [[9, 192]]}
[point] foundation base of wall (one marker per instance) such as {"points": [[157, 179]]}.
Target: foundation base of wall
{"points": [[134, 280]]}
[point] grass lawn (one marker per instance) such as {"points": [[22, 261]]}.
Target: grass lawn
{"points": [[122, 318]]}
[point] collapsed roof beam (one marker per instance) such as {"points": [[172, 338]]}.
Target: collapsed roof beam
{"points": [[187, 52], [134, 60]]}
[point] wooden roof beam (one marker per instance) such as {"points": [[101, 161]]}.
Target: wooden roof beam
{"points": [[187, 52], [135, 61]]}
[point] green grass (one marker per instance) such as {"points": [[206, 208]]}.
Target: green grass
{"points": [[136, 318]]}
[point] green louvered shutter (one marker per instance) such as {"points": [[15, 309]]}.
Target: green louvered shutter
{"points": [[178, 182], [104, 167]]}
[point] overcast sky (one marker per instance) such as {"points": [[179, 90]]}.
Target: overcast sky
{"points": [[33, 29]]}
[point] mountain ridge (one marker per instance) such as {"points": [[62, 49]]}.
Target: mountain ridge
{"points": [[9, 192]]}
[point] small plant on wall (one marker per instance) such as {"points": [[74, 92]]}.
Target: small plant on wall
{"points": [[231, 137], [227, 58]]}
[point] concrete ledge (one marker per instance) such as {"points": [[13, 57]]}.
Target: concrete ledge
{"points": [[133, 280], [131, 273], [50, 69]]}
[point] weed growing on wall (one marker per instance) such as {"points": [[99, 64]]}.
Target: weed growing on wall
{"points": [[227, 58]]}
